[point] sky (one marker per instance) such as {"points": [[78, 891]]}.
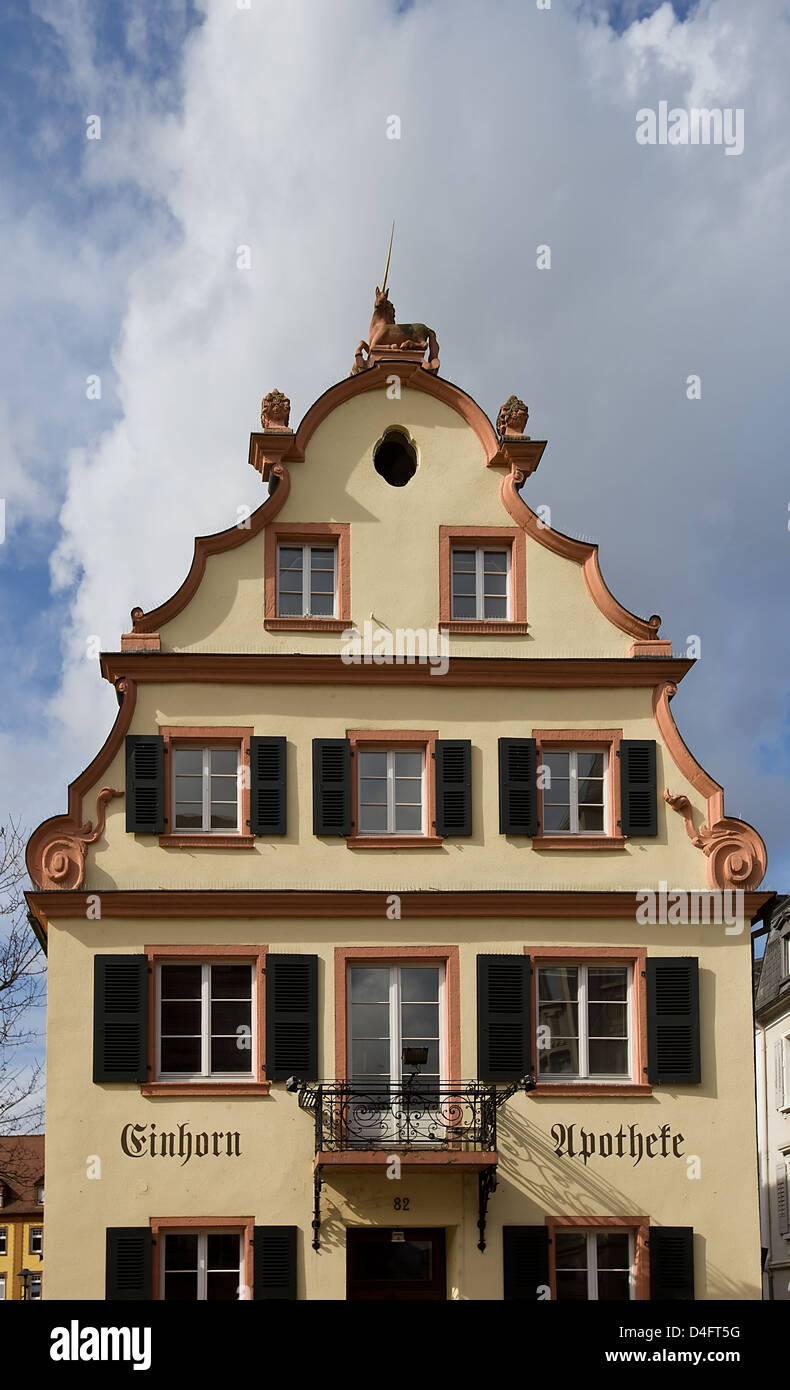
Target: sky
{"points": [[266, 124]]}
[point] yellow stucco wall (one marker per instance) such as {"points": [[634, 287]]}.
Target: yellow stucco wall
{"points": [[18, 1254], [272, 1180]]}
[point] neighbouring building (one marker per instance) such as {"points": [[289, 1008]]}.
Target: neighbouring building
{"points": [[772, 1044], [364, 977], [21, 1216]]}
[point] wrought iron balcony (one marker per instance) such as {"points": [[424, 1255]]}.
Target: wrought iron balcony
{"points": [[415, 1114]]}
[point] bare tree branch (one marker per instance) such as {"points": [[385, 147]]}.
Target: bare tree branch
{"points": [[22, 990]]}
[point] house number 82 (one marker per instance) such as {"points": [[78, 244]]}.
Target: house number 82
{"points": [[400, 1203]]}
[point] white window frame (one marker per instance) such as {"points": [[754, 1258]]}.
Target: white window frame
{"points": [[2, 1287], [307, 547], [40, 1195], [573, 792], [34, 1291], [395, 1019], [3, 1241], [37, 1234], [205, 1025], [480, 551], [592, 1258], [783, 1096], [202, 1271], [560, 1078], [207, 749], [390, 751]]}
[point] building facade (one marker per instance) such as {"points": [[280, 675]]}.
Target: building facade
{"points": [[772, 1045], [360, 985], [21, 1217]]}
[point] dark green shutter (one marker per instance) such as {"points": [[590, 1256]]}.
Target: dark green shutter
{"points": [[274, 1273], [453, 786], [518, 786], [504, 1044], [331, 786], [129, 1263], [291, 1017], [525, 1253], [638, 800], [268, 815], [145, 784], [673, 1042], [120, 1018], [671, 1263]]}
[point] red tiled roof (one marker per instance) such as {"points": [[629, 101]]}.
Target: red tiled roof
{"points": [[21, 1173]]}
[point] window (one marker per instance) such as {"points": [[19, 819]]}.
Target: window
{"points": [[391, 792], [480, 583], [392, 1007], [202, 1265], [40, 1195], [306, 581], [206, 790], [34, 1290], [584, 1022], [3, 1240], [595, 1265], [36, 1246], [2, 1288], [575, 796], [786, 956], [206, 1021]]}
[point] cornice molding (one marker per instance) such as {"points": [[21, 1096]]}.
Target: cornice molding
{"points": [[484, 672], [257, 903]]}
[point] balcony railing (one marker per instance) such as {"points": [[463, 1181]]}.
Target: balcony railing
{"points": [[415, 1114]]}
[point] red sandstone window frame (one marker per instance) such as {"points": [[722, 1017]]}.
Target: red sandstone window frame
{"points": [[638, 1225], [203, 736], [422, 740], [164, 1225], [448, 956], [590, 740], [253, 955], [636, 957], [511, 538], [337, 533]]}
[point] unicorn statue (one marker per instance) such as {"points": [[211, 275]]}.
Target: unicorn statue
{"points": [[384, 332]]}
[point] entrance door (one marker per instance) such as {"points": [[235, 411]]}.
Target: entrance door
{"points": [[395, 1264]]}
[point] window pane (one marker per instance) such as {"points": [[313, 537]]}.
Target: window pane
{"points": [[408, 764], [322, 559], [590, 818], [181, 1054], [560, 1058], [322, 605], [494, 607], [495, 562], [181, 981], [181, 1288], [495, 584], [612, 1248], [189, 761], [418, 983], [463, 584], [557, 790], [370, 985], [188, 819], [290, 558], [590, 791], [607, 1020], [562, 1019], [464, 561], [223, 816], [289, 605], [608, 1057], [420, 1020], [559, 982], [606, 983], [222, 1288], [373, 764], [373, 791], [571, 1286], [613, 1287], [590, 764], [429, 1068], [180, 1016], [557, 763], [408, 819], [231, 981], [224, 761], [370, 1058], [571, 1249], [189, 789], [222, 1252], [370, 1020], [181, 1251], [464, 607], [408, 791], [227, 1054], [556, 818], [373, 820], [229, 1017]]}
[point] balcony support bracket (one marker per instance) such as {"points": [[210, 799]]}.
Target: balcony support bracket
{"points": [[317, 1185], [486, 1184]]}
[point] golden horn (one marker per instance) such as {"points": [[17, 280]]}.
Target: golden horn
{"points": [[389, 253]]}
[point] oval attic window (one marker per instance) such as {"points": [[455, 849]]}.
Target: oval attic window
{"points": [[395, 458]]}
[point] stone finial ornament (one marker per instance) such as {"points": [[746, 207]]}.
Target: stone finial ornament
{"points": [[735, 853], [276, 412], [512, 419], [56, 853]]}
